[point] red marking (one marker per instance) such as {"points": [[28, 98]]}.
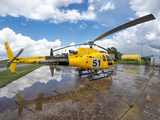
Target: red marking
{"points": [[39, 57], [80, 69], [6, 47]]}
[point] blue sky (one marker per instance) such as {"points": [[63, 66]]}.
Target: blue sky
{"points": [[38, 25]]}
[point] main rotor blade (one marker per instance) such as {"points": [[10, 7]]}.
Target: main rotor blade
{"points": [[127, 25], [69, 46], [8, 65], [100, 47]]}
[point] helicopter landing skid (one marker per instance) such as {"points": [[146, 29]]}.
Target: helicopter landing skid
{"points": [[93, 75]]}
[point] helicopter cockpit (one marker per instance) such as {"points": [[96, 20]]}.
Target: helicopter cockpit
{"points": [[73, 52]]}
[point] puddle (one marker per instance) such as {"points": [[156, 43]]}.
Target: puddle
{"points": [[127, 86], [41, 87], [135, 69], [58, 93]]}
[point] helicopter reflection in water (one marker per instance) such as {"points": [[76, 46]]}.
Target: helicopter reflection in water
{"points": [[52, 69], [86, 92]]}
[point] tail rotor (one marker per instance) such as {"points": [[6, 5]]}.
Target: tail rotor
{"points": [[8, 65]]}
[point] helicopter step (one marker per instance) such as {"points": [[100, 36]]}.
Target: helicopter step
{"points": [[93, 74]]}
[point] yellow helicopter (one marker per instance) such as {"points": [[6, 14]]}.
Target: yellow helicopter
{"points": [[85, 58]]}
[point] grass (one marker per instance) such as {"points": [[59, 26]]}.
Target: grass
{"points": [[152, 73], [3, 64], [129, 62], [131, 106], [7, 77]]}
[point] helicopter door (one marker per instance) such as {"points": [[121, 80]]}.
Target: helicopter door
{"points": [[104, 59], [109, 60]]}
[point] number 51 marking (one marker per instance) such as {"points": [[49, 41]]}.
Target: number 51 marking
{"points": [[96, 63]]}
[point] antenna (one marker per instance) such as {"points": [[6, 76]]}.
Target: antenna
{"points": [[142, 50]]}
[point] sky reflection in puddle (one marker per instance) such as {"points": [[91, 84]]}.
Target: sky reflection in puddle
{"points": [[40, 87]]}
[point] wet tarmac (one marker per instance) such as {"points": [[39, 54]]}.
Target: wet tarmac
{"points": [[59, 93]]}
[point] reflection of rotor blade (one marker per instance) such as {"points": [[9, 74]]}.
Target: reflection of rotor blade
{"points": [[52, 70], [20, 113], [127, 25], [69, 46], [20, 104], [39, 102], [101, 47], [8, 65]]}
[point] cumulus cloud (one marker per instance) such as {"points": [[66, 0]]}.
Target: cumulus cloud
{"points": [[128, 42], [105, 25], [107, 7], [91, 7], [142, 7], [83, 25], [91, 1], [147, 35], [45, 10], [95, 26], [31, 48]]}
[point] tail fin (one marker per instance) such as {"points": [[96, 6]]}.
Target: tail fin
{"points": [[10, 56], [9, 51], [13, 67], [20, 104]]}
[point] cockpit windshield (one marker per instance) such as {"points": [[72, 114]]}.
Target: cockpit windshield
{"points": [[108, 58]]}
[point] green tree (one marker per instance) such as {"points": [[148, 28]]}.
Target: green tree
{"points": [[143, 58], [102, 51], [51, 52], [113, 50], [152, 56], [109, 50]]}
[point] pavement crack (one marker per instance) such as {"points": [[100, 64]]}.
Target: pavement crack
{"points": [[151, 74]]}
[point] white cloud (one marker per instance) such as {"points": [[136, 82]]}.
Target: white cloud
{"points": [[91, 7], [45, 10], [147, 35], [91, 1], [131, 19], [129, 42], [145, 7], [105, 25], [83, 26], [23, 24], [31, 48], [95, 26], [150, 36], [107, 7], [1, 20]]}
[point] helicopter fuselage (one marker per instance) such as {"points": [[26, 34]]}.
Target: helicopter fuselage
{"points": [[89, 58], [86, 58]]}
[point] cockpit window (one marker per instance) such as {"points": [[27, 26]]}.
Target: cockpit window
{"points": [[104, 59], [108, 58]]}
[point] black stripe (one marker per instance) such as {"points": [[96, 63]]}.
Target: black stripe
{"points": [[58, 60]]}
